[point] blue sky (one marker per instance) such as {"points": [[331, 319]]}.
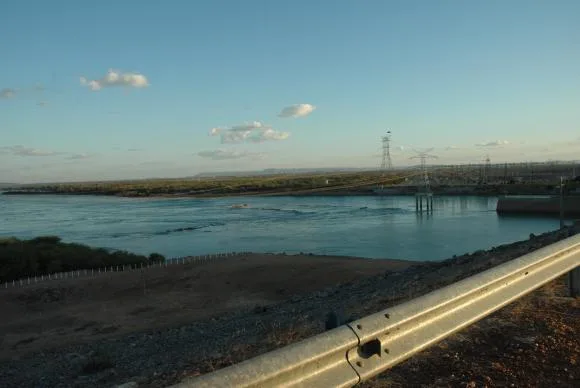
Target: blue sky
{"points": [[468, 78]]}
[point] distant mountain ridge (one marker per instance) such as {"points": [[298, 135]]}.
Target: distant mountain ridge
{"points": [[277, 171]]}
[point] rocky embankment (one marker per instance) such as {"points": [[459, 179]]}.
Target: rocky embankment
{"points": [[159, 358]]}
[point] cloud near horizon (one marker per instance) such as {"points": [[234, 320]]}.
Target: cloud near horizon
{"points": [[227, 155], [253, 132], [495, 143], [297, 110], [7, 93], [116, 78], [20, 150], [79, 156]]}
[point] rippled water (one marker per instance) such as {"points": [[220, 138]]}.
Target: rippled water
{"points": [[377, 227]]}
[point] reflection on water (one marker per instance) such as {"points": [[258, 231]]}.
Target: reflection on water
{"points": [[377, 227]]}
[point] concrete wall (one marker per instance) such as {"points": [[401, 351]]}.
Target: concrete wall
{"points": [[532, 205]]}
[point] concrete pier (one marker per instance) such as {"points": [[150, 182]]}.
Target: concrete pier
{"points": [[424, 199]]}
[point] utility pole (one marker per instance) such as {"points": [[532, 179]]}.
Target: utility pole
{"points": [[505, 174], [561, 202]]}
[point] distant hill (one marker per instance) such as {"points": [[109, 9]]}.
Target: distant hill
{"points": [[4, 185], [277, 171]]}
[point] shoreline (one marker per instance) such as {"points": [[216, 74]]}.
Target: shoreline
{"points": [[270, 194], [182, 292], [158, 355]]}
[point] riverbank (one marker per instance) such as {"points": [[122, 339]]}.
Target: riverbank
{"points": [[357, 185], [156, 356], [73, 311]]}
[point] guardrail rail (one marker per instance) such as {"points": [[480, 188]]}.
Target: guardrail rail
{"points": [[359, 350]]}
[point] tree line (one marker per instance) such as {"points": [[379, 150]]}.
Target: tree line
{"points": [[48, 254]]}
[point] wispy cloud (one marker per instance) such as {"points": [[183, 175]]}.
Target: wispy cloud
{"points": [[495, 143], [134, 149], [79, 156], [297, 110], [116, 78], [7, 93], [451, 148], [20, 150], [253, 132], [227, 154]]}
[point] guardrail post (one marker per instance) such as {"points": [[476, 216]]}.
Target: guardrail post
{"points": [[574, 282]]}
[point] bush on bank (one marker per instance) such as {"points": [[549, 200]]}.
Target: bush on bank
{"points": [[48, 254]]}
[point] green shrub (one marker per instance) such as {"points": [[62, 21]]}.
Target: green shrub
{"points": [[45, 240], [156, 258], [47, 254]]}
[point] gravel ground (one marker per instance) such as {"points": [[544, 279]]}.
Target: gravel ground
{"points": [[161, 357]]}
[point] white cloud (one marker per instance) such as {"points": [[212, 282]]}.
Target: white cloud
{"points": [[25, 151], [451, 148], [215, 131], [268, 134], [116, 78], [79, 156], [226, 155], [495, 143], [253, 132], [7, 93], [248, 126], [297, 110]]}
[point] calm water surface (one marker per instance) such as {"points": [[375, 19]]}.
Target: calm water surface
{"points": [[376, 227]]}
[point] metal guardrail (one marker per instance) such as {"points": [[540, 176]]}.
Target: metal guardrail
{"points": [[355, 352]]}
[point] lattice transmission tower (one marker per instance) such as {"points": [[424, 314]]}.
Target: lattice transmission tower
{"points": [[423, 156], [386, 163]]}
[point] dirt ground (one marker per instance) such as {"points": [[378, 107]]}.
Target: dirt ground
{"points": [[63, 312], [534, 342]]}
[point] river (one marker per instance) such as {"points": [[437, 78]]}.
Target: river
{"points": [[374, 227]]}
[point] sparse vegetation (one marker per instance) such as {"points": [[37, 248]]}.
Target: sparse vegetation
{"points": [[214, 187], [47, 254]]}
